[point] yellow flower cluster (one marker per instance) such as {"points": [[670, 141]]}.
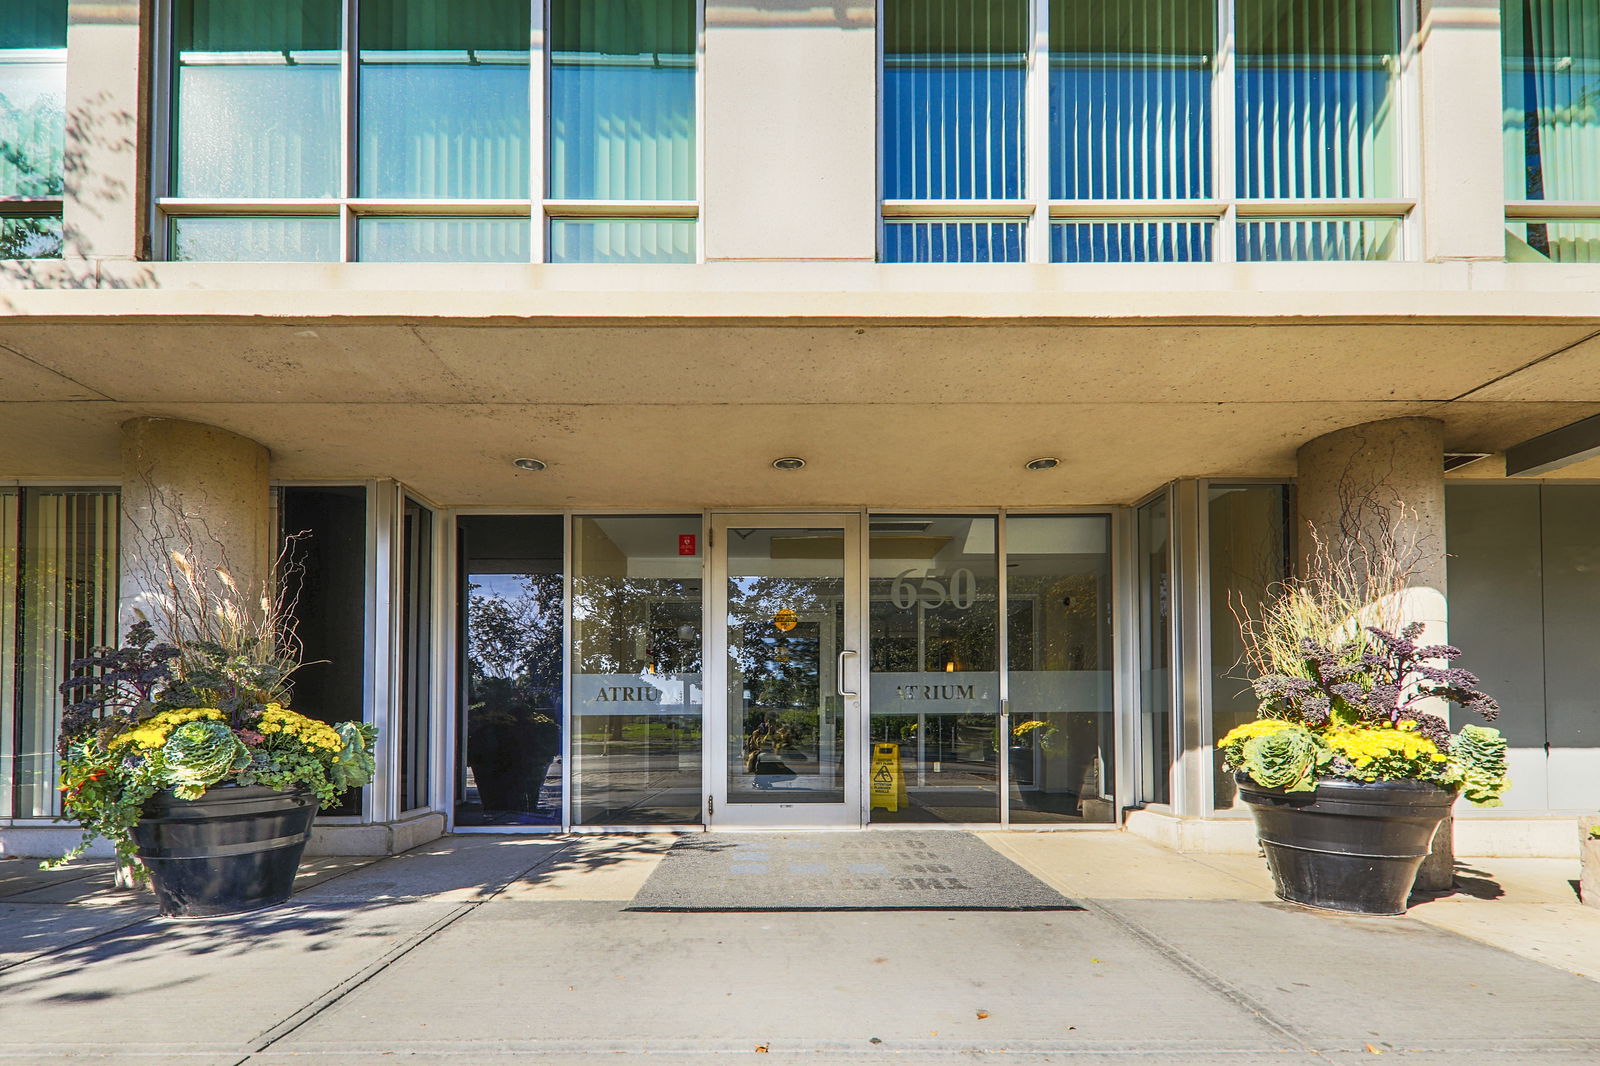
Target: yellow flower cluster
{"points": [[1364, 746], [153, 731], [1261, 727], [310, 732]]}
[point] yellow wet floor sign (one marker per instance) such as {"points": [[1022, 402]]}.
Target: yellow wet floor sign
{"points": [[886, 783]]}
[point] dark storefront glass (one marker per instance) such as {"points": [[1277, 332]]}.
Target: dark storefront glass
{"points": [[935, 666], [416, 656], [327, 583], [1154, 554], [637, 697], [509, 744], [1061, 689]]}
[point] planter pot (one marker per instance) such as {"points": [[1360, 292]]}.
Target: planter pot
{"points": [[1349, 846], [234, 849]]}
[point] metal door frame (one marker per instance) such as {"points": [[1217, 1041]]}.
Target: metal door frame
{"points": [[849, 682]]}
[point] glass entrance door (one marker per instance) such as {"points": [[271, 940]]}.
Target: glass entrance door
{"points": [[786, 651]]}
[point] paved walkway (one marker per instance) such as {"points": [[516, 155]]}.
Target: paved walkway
{"points": [[481, 949]]}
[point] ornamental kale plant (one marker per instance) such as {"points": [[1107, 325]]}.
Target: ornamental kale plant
{"points": [[1344, 687]]}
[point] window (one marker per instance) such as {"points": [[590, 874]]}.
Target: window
{"points": [[1144, 131], [33, 127], [1551, 130], [58, 600], [422, 135]]}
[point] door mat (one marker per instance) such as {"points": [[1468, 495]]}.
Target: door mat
{"points": [[878, 870]]}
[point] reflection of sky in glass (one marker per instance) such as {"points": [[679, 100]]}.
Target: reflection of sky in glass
{"points": [[255, 130]]}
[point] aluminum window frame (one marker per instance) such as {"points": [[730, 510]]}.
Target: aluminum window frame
{"points": [[1224, 210], [539, 209]]}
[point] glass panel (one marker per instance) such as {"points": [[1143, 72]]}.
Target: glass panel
{"points": [[1249, 552], [1550, 79], [953, 242], [1321, 239], [637, 699], [442, 240], [33, 92], [328, 586], [10, 580], [1130, 99], [1553, 242], [416, 656], [622, 103], [257, 98], [953, 81], [1317, 100], [30, 236], [268, 239], [1130, 242], [1062, 748], [785, 631], [444, 99], [510, 742], [66, 604], [935, 666], [1155, 653], [622, 241]]}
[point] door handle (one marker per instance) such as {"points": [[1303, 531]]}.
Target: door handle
{"points": [[840, 677]]}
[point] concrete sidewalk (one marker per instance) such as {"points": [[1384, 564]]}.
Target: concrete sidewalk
{"points": [[517, 949]]}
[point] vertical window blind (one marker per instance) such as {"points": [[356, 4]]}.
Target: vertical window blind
{"points": [[1551, 121], [58, 596], [1130, 99]]}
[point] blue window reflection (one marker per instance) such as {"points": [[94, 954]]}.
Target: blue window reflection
{"points": [[1131, 242], [953, 242], [953, 90]]}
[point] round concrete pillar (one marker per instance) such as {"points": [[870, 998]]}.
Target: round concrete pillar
{"points": [[198, 489], [1361, 485]]}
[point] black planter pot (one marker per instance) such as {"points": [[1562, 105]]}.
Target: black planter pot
{"points": [[1349, 846], [234, 849]]}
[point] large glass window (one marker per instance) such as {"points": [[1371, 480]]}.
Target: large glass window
{"points": [[1133, 143], [637, 700], [1551, 129], [509, 740], [935, 656], [1060, 690], [58, 600], [1154, 554], [622, 129], [33, 124], [1248, 539], [432, 153]]}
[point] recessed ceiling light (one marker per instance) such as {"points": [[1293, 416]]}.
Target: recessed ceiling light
{"points": [[789, 462], [1044, 462], [528, 464]]}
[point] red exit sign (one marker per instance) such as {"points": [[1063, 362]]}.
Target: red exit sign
{"points": [[686, 544]]}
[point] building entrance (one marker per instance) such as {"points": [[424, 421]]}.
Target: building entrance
{"points": [[784, 684]]}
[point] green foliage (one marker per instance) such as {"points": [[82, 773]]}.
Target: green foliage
{"points": [[1286, 758], [1480, 755], [354, 766], [199, 754]]}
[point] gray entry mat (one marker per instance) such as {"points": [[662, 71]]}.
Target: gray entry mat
{"points": [[868, 870]]}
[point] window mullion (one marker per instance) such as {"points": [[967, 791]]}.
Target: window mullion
{"points": [[538, 127], [1224, 244], [350, 68], [1037, 133]]}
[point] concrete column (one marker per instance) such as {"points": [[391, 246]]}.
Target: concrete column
{"points": [[791, 130], [104, 191], [1359, 484], [202, 490], [1463, 188]]}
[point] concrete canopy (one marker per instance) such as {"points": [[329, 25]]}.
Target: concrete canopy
{"points": [[689, 413]]}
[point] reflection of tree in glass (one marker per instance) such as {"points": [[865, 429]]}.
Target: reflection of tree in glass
{"points": [[514, 690], [608, 613]]}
